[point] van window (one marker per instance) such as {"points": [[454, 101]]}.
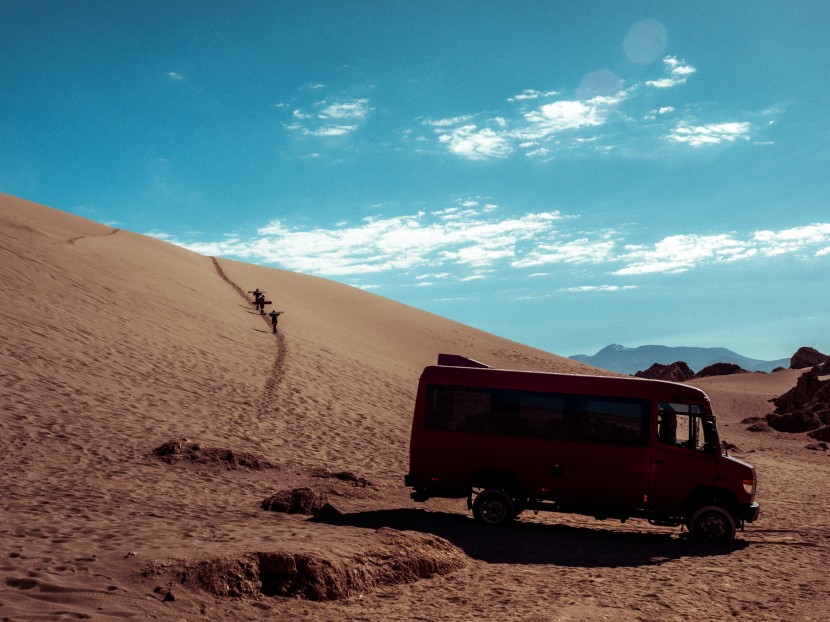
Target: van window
{"points": [[495, 411], [537, 414], [684, 425], [610, 420]]}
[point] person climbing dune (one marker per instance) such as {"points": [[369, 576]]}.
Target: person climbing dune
{"points": [[256, 294], [274, 315]]}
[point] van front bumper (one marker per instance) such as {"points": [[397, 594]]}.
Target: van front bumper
{"points": [[749, 513]]}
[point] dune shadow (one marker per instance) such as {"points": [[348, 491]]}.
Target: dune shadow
{"points": [[535, 543]]}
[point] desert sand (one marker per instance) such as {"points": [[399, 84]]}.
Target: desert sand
{"points": [[115, 344]]}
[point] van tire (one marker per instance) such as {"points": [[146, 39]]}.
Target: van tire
{"points": [[712, 523], [493, 507]]}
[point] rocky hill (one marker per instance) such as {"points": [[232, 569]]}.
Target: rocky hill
{"points": [[630, 360]]}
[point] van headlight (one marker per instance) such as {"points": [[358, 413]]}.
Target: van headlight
{"points": [[750, 486]]}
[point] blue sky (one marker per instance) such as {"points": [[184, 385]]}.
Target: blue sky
{"points": [[565, 174]]}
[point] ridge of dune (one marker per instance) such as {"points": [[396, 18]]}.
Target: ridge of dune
{"points": [[115, 343], [131, 306]]}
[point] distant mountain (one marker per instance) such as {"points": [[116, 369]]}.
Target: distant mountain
{"points": [[631, 360]]}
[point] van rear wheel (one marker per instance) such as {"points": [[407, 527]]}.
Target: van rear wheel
{"points": [[712, 523], [493, 507]]}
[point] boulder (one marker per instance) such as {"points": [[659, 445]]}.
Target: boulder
{"points": [[296, 501], [676, 372], [803, 408], [823, 369], [822, 434], [800, 395], [807, 357], [798, 421], [720, 369]]}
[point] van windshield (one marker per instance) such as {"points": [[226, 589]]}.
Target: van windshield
{"points": [[686, 425]]}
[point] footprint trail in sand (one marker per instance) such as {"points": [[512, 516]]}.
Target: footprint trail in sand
{"points": [[81, 237], [270, 392]]}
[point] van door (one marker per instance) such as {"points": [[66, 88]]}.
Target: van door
{"points": [[610, 477], [607, 465], [683, 456]]}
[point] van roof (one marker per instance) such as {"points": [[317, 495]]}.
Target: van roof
{"points": [[483, 375]]}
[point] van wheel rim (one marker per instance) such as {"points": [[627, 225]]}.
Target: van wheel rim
{"points": [[713, 527], [493, 511]]}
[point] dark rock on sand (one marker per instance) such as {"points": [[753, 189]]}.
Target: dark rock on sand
{"points": [[676, 372]]}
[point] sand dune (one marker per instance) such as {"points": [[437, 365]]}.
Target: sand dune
{"points": [[115, 343]]}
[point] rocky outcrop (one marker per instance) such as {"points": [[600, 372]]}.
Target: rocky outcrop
{"points": [[296, 501], [798, 421], [822, 434], [804, 392], [396, 558], [807, 357], [680, 371], [720, 369], [823, 369], [183, 450], [804, 408], [676, 372]]}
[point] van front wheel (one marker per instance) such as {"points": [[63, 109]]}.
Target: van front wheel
{"points": [[493, 507], [712, 523]]}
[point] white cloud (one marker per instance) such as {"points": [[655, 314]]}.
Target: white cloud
{"points": [[476, 144], [679, 253], [793, 240], [541, 123], [174, 75], [599, 288], [712, 134], [330, 118], [582, 250], [528, 94], [678, 71], [449, 122], [333, 130], [354, 109], [563, 115], [467, 240], [499, 136]]}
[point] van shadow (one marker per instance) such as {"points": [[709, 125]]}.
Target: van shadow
{"points": [[535, 543]]}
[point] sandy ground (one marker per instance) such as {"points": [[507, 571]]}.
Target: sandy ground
{"points": [[114, 343]]}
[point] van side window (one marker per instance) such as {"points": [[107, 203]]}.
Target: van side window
{"points": [[610, 420], [495, 411], [537, 414], [456, 408], [684, 425]]}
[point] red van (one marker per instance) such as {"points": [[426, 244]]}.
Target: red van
{"points": [[606, 447]]}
